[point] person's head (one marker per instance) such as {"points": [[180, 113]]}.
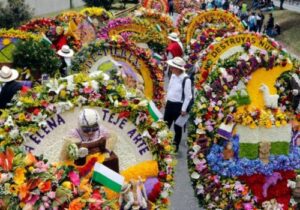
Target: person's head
{"points": [[7, 74], [65, 52], [173, 37], [270, 15], [177, 65], [88, 121]]}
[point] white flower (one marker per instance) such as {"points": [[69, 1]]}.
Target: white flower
{"points": [[54, 86], [14, 133], [195, 175], [143, 103], [291, 184], [200, 189], [9, 122], [116, 103], [81, 100], [198, 120], [162, 134]]}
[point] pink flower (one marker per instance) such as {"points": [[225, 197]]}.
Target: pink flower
{"points": [[74, 177]]}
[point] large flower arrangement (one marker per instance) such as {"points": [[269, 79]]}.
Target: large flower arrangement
{"points": [[135, 29], [236, 183], [31, 182], [144, 55], [38, 25]]}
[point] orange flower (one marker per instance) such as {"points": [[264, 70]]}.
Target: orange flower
{"points": [[24, 191], [76, 204], [6, 159], [45, 186], [30, 159]]}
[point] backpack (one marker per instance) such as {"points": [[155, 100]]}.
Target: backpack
{"points": [[191, 77]]}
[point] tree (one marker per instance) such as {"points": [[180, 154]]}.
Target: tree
{"points": [[99, 3], [14, 14]]}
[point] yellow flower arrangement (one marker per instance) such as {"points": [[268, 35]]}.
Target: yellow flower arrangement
{"points": [[95, 11], [13, 33]]}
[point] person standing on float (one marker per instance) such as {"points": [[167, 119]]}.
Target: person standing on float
{"points": [[178, 96]]}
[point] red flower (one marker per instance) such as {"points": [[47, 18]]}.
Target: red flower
{"points": [[155, 193], [24, 89], [36, 111], [124, 114]]}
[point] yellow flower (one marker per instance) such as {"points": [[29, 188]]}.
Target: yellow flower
{"points": [[169, 177], [217, 108], [277, 123], [168, 148], [283, 122], [67, 185], [22, 117], [14, 189], [6, 41], [19, 176], [63, 93]]}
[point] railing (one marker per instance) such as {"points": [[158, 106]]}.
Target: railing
{"points": [[123, 13]]}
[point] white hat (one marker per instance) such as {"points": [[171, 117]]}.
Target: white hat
{"points": [[177, 62], [7, 74], [88, 117], [173, 36], [65, 51]]}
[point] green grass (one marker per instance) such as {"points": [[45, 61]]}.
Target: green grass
{"points": [[8, 53], [280, 148], [248, 150]]}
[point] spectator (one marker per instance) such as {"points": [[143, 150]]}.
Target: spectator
{"points": [[210, 4], [176, 104], [259, 21], [175, 47], [171, 7], [203, 5], [276, 30], [281, 4], [226, 5], [252, 22], [244, 11], [270, 25], [9, 85]]}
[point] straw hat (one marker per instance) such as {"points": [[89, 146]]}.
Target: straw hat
{"points": [[65, 51], [177, 62], [7, 74], [174, 37]]}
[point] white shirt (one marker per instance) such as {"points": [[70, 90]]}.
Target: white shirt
{"points": [[174, 93]]}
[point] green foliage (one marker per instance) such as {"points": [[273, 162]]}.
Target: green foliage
{"points": [[248, 150], [15, 13], [280, 148], [99, 3], [37, 56]]}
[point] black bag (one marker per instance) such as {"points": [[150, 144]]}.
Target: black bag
{"points": [[189, 107]]}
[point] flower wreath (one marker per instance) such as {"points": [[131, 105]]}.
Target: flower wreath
{"points": [[150, 64], [27, 181], [227, 184]]}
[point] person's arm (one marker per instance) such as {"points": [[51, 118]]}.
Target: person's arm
{"points": [[187, 94]]}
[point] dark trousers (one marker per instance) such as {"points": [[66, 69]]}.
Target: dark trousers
{"points": [[172, 112]]}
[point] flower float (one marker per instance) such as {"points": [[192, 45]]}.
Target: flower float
{"points": [[31, 181], [242, 153], [139, 59]]}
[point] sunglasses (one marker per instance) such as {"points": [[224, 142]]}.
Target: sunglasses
{"points": [[90, 129]]}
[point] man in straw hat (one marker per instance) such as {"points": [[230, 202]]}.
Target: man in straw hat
{"points": [[179, 95], [66, 54], [9, 85]]}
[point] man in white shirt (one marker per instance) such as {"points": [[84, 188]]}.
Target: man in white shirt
{"points": [[179, 96]]}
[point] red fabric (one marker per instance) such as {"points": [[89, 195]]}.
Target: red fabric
{"points": [[61, 40], [175, 49], [280, 191]]}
